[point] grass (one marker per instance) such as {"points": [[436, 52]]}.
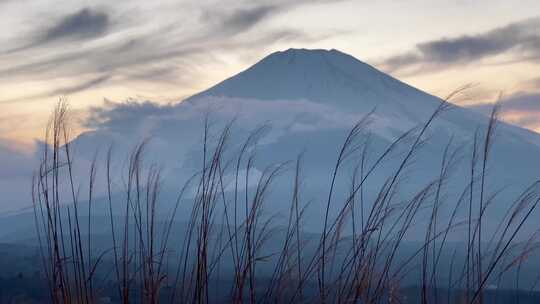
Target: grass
{"points": [[356, 257]]}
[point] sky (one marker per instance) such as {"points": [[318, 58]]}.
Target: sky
{"points": [[92, 52]]}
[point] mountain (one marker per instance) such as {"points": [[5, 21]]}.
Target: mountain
{"points": [[331, 78], [309, 99], [336, 79], [343, 83]]}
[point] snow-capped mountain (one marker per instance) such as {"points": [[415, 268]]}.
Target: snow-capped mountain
{"points": [[336, 79], [307, 101], [310, 99], [348, 88], [327, 77]]}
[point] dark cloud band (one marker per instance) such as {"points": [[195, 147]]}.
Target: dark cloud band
{"points": [[522, 109], [82, 25], [522, 37], [62, 91]]}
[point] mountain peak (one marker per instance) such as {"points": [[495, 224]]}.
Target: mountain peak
{"points": [[312, 56], [309, 52]]}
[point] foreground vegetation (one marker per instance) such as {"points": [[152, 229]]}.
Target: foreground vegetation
{"points": [[354, 258]]}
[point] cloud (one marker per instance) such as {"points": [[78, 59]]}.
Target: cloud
{"points": [[14, 164], [519, 102], [84, 24], [127, 52], [124, 115], [135, 52], [522, 38], [80, 87], [172, 125], [15, 177], [522, 109], [245, 19], [531, 85], [62, 91], [301, 115]]}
